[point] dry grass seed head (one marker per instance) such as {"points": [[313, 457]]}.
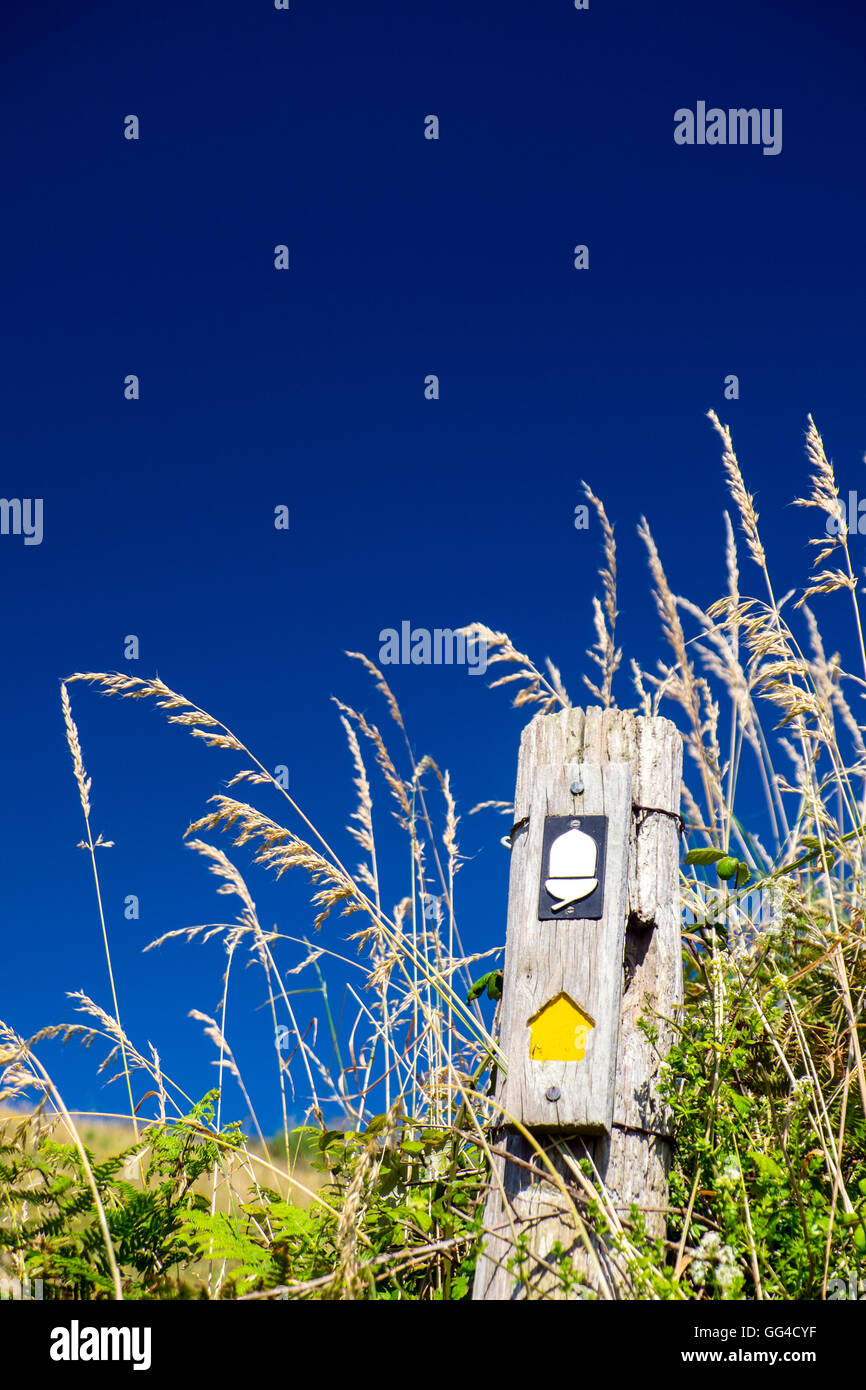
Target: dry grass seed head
{"points": [[744, 501], [546, 691], [84, 782]]}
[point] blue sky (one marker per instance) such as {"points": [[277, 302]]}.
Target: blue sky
{"points": [[306, 388]]}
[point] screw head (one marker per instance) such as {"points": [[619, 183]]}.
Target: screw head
{"points": [[552, 1093], [576, 789]]}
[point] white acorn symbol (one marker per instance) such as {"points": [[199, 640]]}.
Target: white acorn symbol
{"points": [[572, 864]]}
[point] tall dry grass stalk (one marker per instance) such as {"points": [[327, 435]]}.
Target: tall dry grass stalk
{"points": [[84, 784]]}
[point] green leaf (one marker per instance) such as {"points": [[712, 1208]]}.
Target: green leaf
{"points": [[727, 866], [743, 874], [766, 1166], [704, 856], [479, 986], [388, 1181], [378, 1122], [434, 1138], [331, 1136]]}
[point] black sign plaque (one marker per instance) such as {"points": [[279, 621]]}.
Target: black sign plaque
{"points": [[572, 868]]}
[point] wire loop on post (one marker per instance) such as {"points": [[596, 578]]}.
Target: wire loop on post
{"points": [[658, 811]]}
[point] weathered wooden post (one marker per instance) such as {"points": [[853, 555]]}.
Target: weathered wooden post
{"points": [[593, 939]]}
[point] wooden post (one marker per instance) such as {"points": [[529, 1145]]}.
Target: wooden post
{"points": [[604, 785]]}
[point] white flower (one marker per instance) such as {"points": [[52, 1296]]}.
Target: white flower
{"points": [[729, 1175], [714, 1258]]}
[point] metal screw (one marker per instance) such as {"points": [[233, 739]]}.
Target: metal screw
{"points": [[552, 1093], [577, 788]]}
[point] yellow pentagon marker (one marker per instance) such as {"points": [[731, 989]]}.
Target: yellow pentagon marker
{"points": [[558, 1032]]}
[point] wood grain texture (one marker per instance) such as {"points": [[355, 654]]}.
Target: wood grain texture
{"points": [[634, 1159], [581, 958]]}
